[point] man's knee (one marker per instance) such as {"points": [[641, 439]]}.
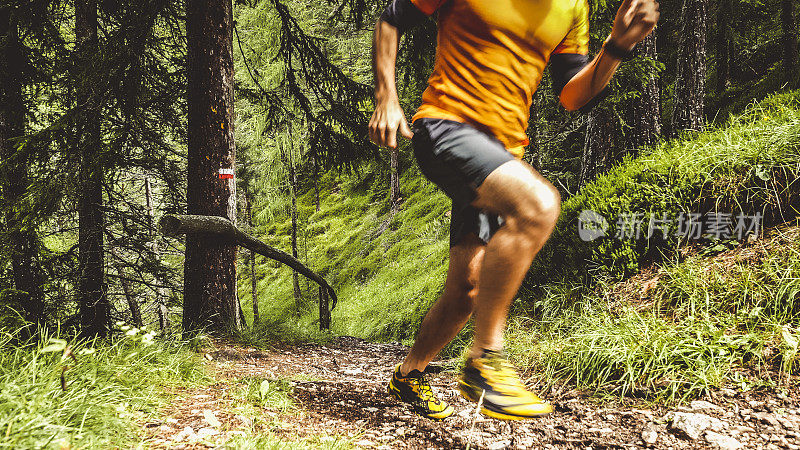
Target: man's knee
{"points": [[537, 209]]}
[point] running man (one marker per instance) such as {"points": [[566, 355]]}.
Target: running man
{"points": [[468, 138]]}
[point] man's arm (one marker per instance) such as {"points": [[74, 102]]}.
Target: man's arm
{"points": [[388, 117], [634, 21]]}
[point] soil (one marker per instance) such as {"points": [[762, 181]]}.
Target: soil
{"points": [[339, 390]]}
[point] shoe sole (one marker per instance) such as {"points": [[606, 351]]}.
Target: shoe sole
{"points": [[434, 416], [497, 414]]}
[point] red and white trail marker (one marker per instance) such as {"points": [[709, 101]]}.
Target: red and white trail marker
{"points": [[225, 174]]}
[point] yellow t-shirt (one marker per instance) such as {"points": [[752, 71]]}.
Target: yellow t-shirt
{"points": [[490, 56]]}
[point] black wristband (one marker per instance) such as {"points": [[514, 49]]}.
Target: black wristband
{"points": [[616, 51]]}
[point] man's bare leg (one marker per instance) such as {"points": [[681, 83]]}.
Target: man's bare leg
{"points": [[453, 308], [530, 206]]}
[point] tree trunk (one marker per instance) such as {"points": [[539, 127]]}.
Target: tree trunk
{"points": [[599, 147], [394, 179], [324, 310], [92, 299], [161, 295], [210, 300], [723, 53], [133, 304], [148, 190], [253, 272], [22, 243], [316, 183], [645, 112], [288, 161], [789, 25], [690, 89]]}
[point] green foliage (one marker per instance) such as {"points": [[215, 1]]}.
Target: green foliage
{"points": [[749, 165], [267, 393], [711, 321], [107, 388], [386, 268]]}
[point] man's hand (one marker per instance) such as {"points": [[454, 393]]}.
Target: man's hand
{"points": [[634, 21], [387, 119]]}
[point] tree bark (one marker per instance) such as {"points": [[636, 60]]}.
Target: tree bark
{"points": [[22, 242], [94, 306], [210, 300], [288, 161], [789, 25], [316, 183], [645, 112], [600, 142], [253, 272], [133, 304], [226, 233], [324, 310], [723, 54], [161, 295], [690, 88], [394, 179]]}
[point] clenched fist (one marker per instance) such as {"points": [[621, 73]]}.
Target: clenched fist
{"points": [[634, 21]]}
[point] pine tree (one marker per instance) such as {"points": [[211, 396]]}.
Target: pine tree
{"points": [[210, 300], [93, 302], [690, 84], [789, 39], [644, 113], [21, 238]]}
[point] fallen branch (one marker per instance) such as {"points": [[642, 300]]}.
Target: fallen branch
{"points": [[176, 225]]}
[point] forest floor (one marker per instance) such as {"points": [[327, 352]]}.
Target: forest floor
{"points": [[336, 398]]}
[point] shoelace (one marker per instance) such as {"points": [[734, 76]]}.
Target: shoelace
{"points": [[424, 388]]}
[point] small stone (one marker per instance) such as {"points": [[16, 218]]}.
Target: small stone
{"points": [[767, 418], [755, 404], [211, 419], [650, 436], [737, 429], [205, 432], [693, 425], [723, 442], [365, 443], [184, 435], [498, 445], [702, 405]]}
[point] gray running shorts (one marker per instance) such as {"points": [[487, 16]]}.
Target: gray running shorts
{"points": [[457, 157]]}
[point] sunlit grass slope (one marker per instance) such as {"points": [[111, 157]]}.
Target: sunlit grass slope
{"points": [[387, 268]]}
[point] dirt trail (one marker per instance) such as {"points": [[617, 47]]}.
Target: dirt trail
{"points": [[339, 388]]}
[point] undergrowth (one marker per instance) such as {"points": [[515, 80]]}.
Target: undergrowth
{"points": [[708, 321], [56, 393]]}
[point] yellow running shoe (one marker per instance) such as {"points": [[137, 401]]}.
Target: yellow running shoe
{"points": [[415, 390], [505, 397]]}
